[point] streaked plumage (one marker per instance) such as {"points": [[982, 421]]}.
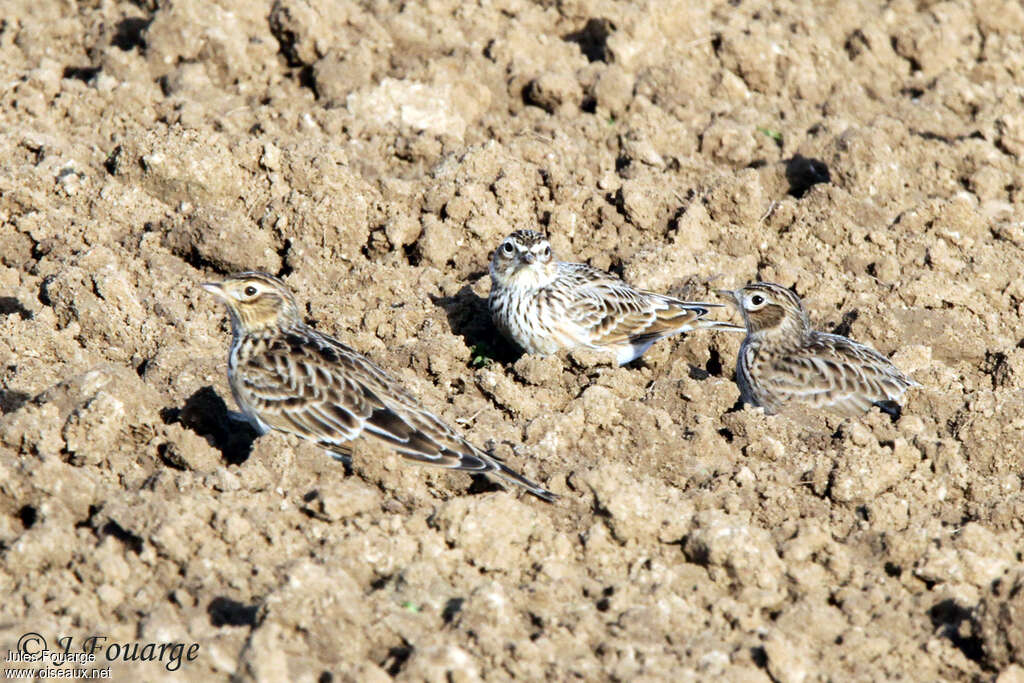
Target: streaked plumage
{"points": [[783, 359], [287, 376], [545, 305]]}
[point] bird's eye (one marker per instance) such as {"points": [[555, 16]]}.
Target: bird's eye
{"points": [[547, 250], [507, 248], [757, 299], [250, 291]]}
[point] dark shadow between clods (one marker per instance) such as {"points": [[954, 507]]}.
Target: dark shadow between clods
{"points": [[206, 414], [803, 173], [593, 39], [227, 612], [470, 318]]}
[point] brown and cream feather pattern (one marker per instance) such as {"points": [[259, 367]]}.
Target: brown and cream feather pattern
{"points": [[545, 305], [783, 359], [288, 376]]}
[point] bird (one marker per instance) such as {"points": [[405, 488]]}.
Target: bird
{"points": [[545, 305], [287, 376], [784, 360]]}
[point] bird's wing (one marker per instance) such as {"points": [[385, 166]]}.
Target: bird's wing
{"points": [[318, 388], [837, 373], [610, 311], [322, 390]]}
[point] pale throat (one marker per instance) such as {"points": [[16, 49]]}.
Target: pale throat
{"points": [[257, 322], [533, 275]]}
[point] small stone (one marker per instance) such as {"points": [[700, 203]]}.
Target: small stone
{"points": [[730, 142], [271, 159], [342, 501], [438, 242], [552, 91], [640, 204], [614, 89], [1011, 674], [787, 662]]}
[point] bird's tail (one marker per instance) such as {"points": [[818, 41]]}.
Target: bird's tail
{"points": [[711, 324], [459, 454], [702, 308], [686, 316], [505, 473]]}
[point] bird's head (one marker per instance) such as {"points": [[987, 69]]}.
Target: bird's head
{"points": [[523, 259], [770, 310], [257, 302]]}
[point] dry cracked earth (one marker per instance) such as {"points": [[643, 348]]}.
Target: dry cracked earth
{"points": [[373, 154]]}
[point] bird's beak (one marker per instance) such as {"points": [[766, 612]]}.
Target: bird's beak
{"points": [[733, 295], [529, 257], [215, 288]]}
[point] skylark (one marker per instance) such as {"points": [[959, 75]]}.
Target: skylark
{"points": [[783, 359], [287, 376], [545, 305]]}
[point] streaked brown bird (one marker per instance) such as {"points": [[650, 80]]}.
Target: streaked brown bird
{"points": [[545, 305], [783, 359], [287, 376]]}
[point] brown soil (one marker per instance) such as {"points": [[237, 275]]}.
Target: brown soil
{"points": [[373, 154]]}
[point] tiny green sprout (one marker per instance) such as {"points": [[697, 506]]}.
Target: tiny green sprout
{"points": [[412, 607], [773, 134], [481, 356], [611, 120]]}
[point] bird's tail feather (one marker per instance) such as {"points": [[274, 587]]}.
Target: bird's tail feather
{"points": [[707, 324], [469, 458], [508, 474], [683, 313]]}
